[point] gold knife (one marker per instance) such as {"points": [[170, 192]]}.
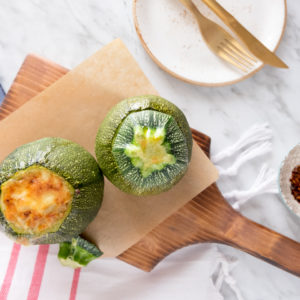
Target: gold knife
{"points": [[253, 44]]}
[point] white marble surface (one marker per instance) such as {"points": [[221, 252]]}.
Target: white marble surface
{"points": [[69, 31]]}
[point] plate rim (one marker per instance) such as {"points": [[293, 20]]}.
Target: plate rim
{"points": [[200, 83]]}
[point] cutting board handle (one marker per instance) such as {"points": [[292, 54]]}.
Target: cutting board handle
{"points": [[263, 243]]}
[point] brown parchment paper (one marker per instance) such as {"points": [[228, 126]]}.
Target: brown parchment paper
{"points": [[73, 108]]}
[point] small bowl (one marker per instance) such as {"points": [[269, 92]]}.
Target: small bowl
{"points": [[290, 162]]}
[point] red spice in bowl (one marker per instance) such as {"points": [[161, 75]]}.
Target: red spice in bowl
{"points": [[295, 183], [289, 180]]}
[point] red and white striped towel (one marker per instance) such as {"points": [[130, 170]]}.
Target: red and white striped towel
{"points": [[34, 272], [26, 271]]}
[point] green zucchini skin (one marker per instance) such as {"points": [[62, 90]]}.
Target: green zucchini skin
{"points": [[107, 134], [75, 165], [77, 253]]}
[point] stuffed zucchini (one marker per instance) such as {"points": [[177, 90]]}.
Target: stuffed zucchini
{"points": [[144, 145], [51, 189]]}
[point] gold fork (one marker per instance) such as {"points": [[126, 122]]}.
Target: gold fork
{"points": [[220, 41]]}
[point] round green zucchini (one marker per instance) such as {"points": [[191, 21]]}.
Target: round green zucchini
{"points": [[144, 145], [51, 189]]}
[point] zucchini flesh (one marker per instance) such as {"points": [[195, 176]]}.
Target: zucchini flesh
{"points": [[78, 253], [150, 151]]}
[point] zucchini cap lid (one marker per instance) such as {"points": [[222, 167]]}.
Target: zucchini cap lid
{"points": [[77, 253]]}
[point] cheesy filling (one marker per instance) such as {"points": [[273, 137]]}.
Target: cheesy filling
{"points": [[35, 200], [149, 151]]}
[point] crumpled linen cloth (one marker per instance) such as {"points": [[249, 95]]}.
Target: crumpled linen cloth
{"points": [[195, 272]]}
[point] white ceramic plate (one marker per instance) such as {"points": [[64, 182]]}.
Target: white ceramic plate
{"points": [[170, 35]]}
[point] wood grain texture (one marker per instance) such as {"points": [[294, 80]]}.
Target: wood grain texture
{"points": [[33, 77], [206, 218]]}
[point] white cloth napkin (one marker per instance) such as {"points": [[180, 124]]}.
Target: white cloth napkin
{"points": [[254, 143], [195, 272]]}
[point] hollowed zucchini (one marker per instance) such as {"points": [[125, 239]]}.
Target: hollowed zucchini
{"points": [[51, 189], [144, 145]]}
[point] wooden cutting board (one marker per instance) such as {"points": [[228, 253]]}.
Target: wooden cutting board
{"points": [[206, 218]]}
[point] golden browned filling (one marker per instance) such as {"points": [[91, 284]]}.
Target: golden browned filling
{"points": [[35, 200]]}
